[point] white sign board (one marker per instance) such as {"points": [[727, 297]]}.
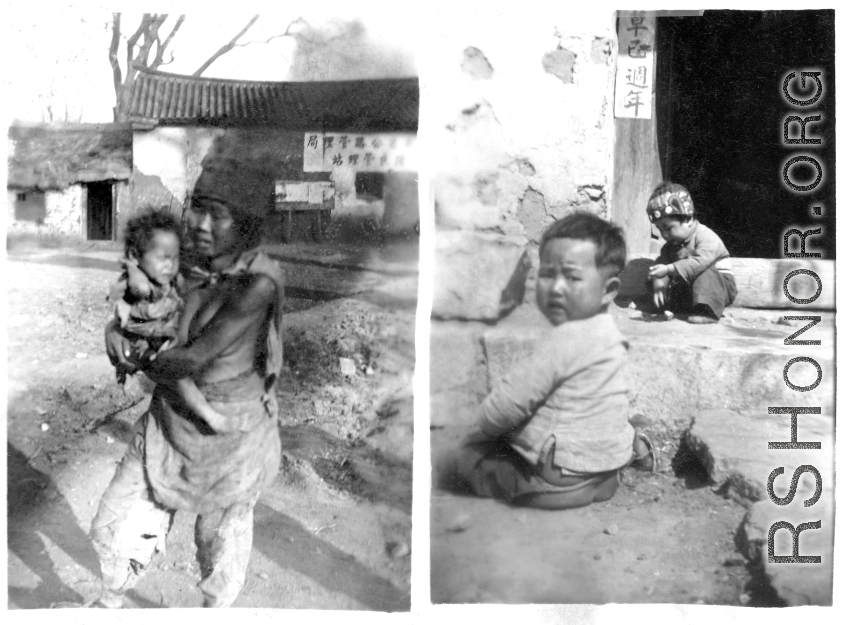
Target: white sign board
{"points": [[308, 195], [359, 152], [634, 77]]}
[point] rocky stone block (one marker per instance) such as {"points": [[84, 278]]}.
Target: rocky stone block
{"points": [[796, 583], [478, 276], [675, 377], [732, 445]]}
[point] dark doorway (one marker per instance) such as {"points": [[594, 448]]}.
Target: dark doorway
{"points": [[720, 113], [99, 211]]}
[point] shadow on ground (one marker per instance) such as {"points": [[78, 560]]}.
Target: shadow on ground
{"points": [[286, 542]]}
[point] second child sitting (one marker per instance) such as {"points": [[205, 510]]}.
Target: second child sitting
{"points": [[147, 301], [693, 274], [554, 433]]}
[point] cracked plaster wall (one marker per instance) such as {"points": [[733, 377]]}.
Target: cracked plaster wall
{"points": [[523, 127], [166, 163]]}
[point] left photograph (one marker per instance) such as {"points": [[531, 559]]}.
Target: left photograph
{"points": [[212, 273]]}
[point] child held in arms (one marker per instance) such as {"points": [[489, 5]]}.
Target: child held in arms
{"points": [[554, 433], [147, 301], [693, 274]]}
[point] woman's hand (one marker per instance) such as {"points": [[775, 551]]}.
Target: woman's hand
{"points": [[119, 349]]}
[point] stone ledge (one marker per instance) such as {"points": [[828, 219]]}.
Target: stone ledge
{"points": [[675, 375]]}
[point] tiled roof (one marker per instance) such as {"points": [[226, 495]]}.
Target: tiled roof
{"points": [[45, 156], [375, 105]]}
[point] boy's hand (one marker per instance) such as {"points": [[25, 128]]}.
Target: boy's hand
{"points": [[660, 291], [659, 271]]}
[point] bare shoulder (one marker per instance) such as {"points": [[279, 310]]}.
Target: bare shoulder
{"points": [[253, 289]]}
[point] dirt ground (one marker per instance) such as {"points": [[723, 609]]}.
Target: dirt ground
{"points": [[333, 531], [658, 540], [668, 537]]}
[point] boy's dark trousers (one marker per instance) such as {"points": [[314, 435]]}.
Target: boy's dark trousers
{"points": [[712, 288], [494, 469]]}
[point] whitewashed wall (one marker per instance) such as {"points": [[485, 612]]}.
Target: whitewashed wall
{"points": [[522, 125]]}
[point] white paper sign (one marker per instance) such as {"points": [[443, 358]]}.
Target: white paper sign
{"points": [[319, 195], [634, 77]]}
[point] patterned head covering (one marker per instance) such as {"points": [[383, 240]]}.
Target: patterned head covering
{"points": [[670, 199]]}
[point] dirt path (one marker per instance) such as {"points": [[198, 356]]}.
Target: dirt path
{"points": [[333, 531]]}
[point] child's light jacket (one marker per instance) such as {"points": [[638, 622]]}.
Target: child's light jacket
{"points": [[572, 392]]}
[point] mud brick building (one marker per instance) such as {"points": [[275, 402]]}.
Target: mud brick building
{"points": [[68, 179], [345, 148]]}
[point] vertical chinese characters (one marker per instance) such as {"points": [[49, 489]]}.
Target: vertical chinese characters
{"points": [[634, 81]]}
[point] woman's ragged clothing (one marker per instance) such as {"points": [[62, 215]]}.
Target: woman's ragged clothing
{"points": [[176, 462]]}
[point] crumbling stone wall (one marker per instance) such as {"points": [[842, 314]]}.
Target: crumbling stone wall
{"points": [[523, 126], [64, 211]]}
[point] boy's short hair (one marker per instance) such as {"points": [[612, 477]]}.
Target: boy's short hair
{"points": [[139, 230], [670, 199], [606, 236]]}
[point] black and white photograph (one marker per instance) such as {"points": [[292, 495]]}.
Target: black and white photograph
{"points": [[632, 335], [421, 312], [212, 257]]}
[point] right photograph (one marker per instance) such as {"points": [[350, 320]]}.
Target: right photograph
{"points": [[632, 336]]}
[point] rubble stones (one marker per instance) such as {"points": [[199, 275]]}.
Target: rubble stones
{"points": [[797, 584], [733, 448]]}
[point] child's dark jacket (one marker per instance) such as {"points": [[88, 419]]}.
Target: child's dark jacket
{"points": [[702, 250]]}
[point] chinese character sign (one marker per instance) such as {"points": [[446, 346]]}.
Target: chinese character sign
{"points": [[359, 151], [634, 78]]}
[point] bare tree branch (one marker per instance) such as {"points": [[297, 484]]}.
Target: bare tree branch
{"points": [[268, 40], [113, 52], [130, 43], [170, 37], [225, 48], [151, 36]]}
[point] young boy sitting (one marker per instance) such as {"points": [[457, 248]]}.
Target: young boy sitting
{"points": [[693, 274], [147, 300], [554, 434]]}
